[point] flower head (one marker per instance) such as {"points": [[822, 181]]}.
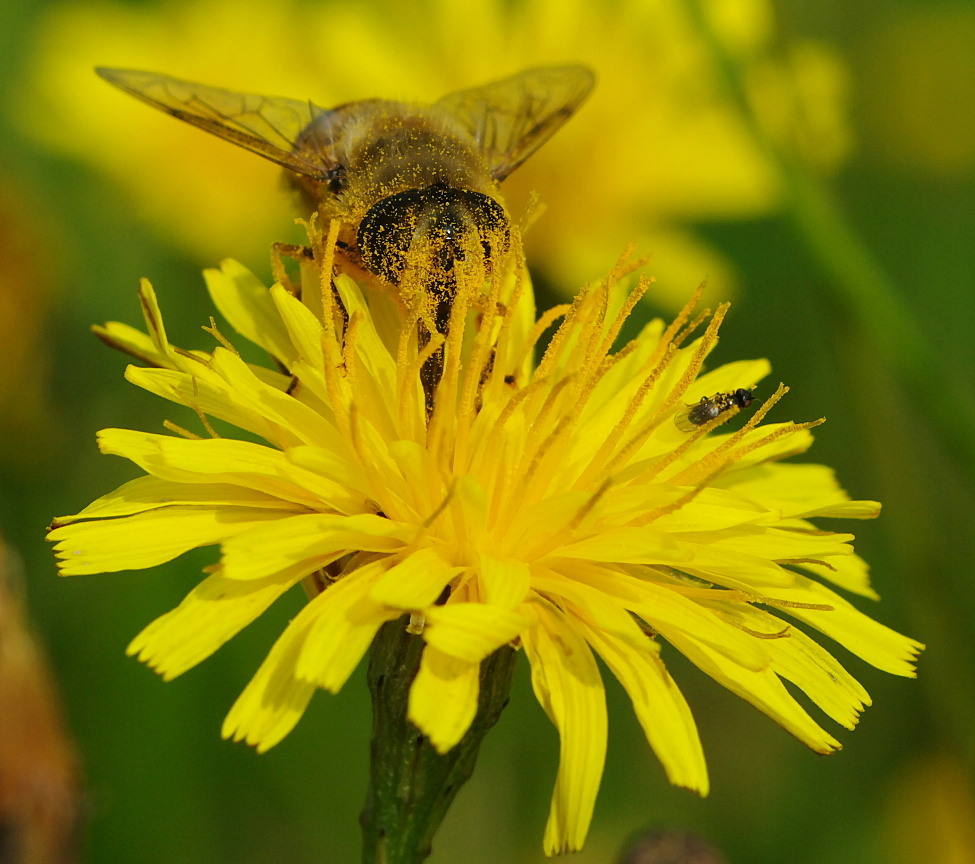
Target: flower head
{"points": [[555, 506]]}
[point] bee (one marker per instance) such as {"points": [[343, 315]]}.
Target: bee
{"points": [[404, 180], [708, 408]]}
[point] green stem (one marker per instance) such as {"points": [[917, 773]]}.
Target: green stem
{"points": [[855, 279], [411, 785]]}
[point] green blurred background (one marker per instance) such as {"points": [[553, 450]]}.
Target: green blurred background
{"points": [[816, 160]]}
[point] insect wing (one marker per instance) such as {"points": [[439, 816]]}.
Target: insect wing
{"points": [[686, 418], [510, 119], [266, 125]]}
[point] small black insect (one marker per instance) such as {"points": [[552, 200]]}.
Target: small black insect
{"points": [[708, 408]]}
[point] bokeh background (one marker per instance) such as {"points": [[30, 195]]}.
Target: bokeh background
{"points": [[815, 161]]}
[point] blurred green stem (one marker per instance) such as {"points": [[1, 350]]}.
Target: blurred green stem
{"points": [[411, 785], [859, 285]]}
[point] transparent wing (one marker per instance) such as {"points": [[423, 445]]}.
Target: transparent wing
{"points": [[683, 418], [510, 119], [266, 125]]}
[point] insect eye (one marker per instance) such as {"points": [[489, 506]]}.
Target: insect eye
{"points": [[439, 213], [336, 179]]}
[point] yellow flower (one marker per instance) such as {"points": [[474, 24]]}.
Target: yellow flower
{"points": [[558, 507], [658, 147]]}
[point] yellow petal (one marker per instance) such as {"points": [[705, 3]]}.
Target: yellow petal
{"points": [[820, 676], [304, 329], [471, 631], [711, 510], [279, 407], [147, 539], [850, 572], [774, 543], [415, 582], [213, 612], [763, 689], [870, 640], [153, 317], [133, 342], [201, 391], [274, 700], [344, 627], [734, 569], [567, 684], [800, 490], [660, 708], [443, 697], [628, 545], [671, 613], [331, 464], [504, 583], [151, 493], [284, 542], [221, 460], [247, 305], [727, 378], [600, 610]]}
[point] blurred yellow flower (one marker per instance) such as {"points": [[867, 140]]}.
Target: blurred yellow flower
{"points": [[26, 284], [930, 812], [918, 89], [659, 147], [555, 506]]}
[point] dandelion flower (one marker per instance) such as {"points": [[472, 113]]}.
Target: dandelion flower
{"points": [[555, 506]]}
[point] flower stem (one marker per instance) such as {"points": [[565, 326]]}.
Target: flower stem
{"points": [[411, 785]]}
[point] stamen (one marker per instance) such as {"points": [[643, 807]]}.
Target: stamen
{"points": [[784, 633], [792, 604], [558, 340], [214, 331], [799, 561], [682, 317], [349, 346], [682, 501], [683, 336], [179, 430], [189, 355], [445, 400], [519, 397], [708, 340], [194, 403], [331, 347], [775, 435], [514, 263], [328, 263], [586, 508], [541, 325], [602, 455], [474, 375], [721, 449], [628, 306]]}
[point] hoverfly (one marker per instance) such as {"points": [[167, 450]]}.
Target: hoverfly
{"points": [[690, 417], [395, 174]]}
